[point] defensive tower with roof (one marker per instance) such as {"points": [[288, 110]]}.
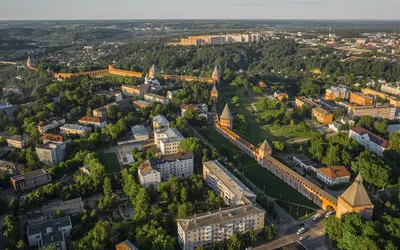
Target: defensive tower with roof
{"points": [[264, 149], [214, 94], [153, 71], [215, 75], [355, 199], [226, 118]]}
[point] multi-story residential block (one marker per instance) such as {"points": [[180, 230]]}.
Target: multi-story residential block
{"points": [[96, 122], [150, 97], [281, 95], [30, 180], [390, 88], [334, 175], [160, 122], [75, 129], [201, 109], [168, 140], [45, 138], [369, 140], [50, 233], [384, 111], [8, 108], [52, 153], [301, 100], [368, 91], [16, 141], [336, 92], [125, 245], [360, 99], [140, 133], [159, 169], [49, 211], [102, 111], [224, 183], [52, 123], [137, 91], [323, 116], [207, 228]]}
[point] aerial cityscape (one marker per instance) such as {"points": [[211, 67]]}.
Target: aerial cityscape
{"points": [[181, 128]]}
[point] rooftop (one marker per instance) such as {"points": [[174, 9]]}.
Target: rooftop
{"points": [[50, 121], [50, 230], [218, 216], [373, 137], [393, 128], [304, 159], [228, 179], [90, 119], [52, 137], [74, 127], [335, 171], [155, 95], [152, 163], [171, 135], [48, 145], [51, 207], [356, 195], [126, 245], [226, 114], [321, 110], [139, 130], [160, 119], [30, 175], [15, 138]]}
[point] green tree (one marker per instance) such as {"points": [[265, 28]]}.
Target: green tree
{"points": [[190, 144], [372, 168], [278, 145]]}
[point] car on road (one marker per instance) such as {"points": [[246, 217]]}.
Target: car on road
{"points": [[302, 238], [301, 230], [316, 217], [329, 213]]}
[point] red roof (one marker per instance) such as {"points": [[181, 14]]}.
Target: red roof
{"points": [[52, 137], [335, 171], [90, 119], [375, 138]]}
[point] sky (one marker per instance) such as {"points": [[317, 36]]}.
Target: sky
{"points": [[198, 9]]}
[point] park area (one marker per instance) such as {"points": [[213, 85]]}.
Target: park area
{"points": [[109, 161]]}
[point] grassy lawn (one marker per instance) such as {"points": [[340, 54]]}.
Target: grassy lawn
{"points": [[110, 162], [260, 176], [298, 213]]}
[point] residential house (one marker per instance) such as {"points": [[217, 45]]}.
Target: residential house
{"points": [[150, 97], [96, 122], [75, 129], [334, 175], [323, 116]]}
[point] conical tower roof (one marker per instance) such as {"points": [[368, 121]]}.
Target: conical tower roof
{"points": [[154, 68], [215, 72], [356, 195], [265, 146], [226, 114], [214, 89]]}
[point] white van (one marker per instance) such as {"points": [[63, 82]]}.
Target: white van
{"points": [[301, 230], [316, 217]]}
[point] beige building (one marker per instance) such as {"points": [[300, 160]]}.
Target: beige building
{"points": [[369, 140], [75, 129], [30, 180], [102, 111], [52, 153], [207, 228], [355, 199], [52, 123], [333, 175], [16, 141], [224, 183], [137, 91], [168, 141], [390, 88], [150, 97], [96, 122], [383, 111]]}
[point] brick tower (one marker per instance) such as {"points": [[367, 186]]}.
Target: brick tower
{"points": [[226, 118], [214, 94], [215, 75]]}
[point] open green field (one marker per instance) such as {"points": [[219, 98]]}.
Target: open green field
{"points": [[257, 130], [297, 212], [260, 176], [110, 162]]}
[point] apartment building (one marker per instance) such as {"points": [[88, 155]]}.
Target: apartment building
{"points": [[30, 180], [49, 210], [16, 141], [52, 123], [334, 175], [384, 111], [159, 169], [301, 100], [369, 140], [168, 140], [323, 116], [368, 91], [360, 99], [336, 92], [140, 104], [224, 183], [138, 91], [207, 228], [75, 129], [45, 138], [50, 233], [96, 122], [52, 153], [102, 111], [390, 89], [160, 122], [8, 108], [150, 97]]}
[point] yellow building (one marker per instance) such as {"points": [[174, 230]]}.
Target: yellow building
{"points": [[360, 99], [137, 91], [323, 116], [16, 141], [355, 199], [369, 91]]}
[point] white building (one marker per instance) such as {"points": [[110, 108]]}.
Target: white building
{"points": [[150, 97], [139, 132], [305, 162], [52, 123], [49, 233], [168, 141], [159, 169], [224, 183], [334, 175], [369, 140], [68, 129], [160, 122], [96, 122]]}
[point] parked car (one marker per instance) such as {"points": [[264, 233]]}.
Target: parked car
{"points": [[302, 238], [301, 230], [329, 213], [316, 217]]}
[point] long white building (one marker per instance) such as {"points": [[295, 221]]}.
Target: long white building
{"points": [[369, 140]]}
